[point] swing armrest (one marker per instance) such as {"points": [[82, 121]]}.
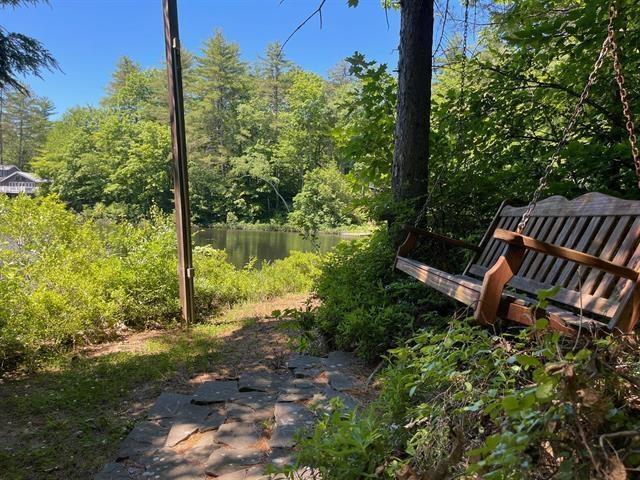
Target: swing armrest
{"points": [[565, 253], [414, 233]]}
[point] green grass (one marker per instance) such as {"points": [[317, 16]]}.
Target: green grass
{"points": [[68, 420]]}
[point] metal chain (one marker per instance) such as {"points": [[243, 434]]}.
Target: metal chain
{"points": [[608, 46], [626, 108], [579, 108], [461, 101]]}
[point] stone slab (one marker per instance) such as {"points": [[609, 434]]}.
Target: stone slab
{"points": [[114, 471], [321, 401], [255, 400], [215, 391], [293, 414], [304, 372], [336, 360], [171, 405], [169, 465], [340, 381], [243, 413], [297, 390], [229, 460], [304, 361], [261, 381], [252, 473], [145, 437], [180, 432], [238, 434]]}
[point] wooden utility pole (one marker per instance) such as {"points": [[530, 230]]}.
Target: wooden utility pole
{"points": [[410, 176], [180, 175]]}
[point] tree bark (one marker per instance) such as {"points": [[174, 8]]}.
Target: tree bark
{"points": [[410, 175]]}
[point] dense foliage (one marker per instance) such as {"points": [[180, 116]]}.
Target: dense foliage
{"points": [[256, 134], [70, 280], [461, 402]]}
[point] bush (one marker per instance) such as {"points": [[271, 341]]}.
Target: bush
{"points": [[70, 279], [366, 306], [325, 202], [461, 403]]}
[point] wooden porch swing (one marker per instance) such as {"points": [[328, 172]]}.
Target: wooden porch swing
{"points": [[589, 248]]}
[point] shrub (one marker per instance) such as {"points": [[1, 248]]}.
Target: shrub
{"points": [[325, 201], [462, 402], [366, 306], [68, 279]]}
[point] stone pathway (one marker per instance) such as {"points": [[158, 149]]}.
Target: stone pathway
{"points": [[231, 429]]}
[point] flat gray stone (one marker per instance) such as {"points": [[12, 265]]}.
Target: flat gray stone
{"points": [[284, 436], [260, 381], [229, 460], [113, 471], [216, 391], [251, 473], [180, 432], [310, 372], [145, 437], [291, 418], [304, 361], [297, 390], [243, 413], [281, 457], [170, 405], [169, 465], [213, 421], [293, 414], [337, 360], [255, 400], [339, 381], [321, 400], [238, 434]]}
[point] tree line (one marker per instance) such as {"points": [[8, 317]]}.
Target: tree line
{"points": [[258, 134]]}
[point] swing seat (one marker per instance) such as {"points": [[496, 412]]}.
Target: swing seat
{"points": [[587, 247]]}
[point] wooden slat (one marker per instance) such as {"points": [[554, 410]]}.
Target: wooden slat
{"points": [[622, 257], [440, 238], [593, 305], [499, 248], [611, 247], [486, 238], [462, 289], [492, 243], [576, 281], [540, 232], [561, 238], [581, 245], [566, 253], [570, 240], [539, 257], [589, 204]]}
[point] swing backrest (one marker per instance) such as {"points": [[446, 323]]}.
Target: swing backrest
{"points": [[597, 224]]}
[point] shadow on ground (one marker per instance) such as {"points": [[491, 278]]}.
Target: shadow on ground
{"points": [[67, 422]]}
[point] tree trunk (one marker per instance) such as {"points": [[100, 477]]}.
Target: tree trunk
{"points": [[410, 176]]}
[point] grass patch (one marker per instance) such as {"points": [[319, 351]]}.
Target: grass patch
{"points": [[67, 420]]}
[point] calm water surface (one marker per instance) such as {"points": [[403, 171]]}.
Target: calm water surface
{"points": [[242, 245]]}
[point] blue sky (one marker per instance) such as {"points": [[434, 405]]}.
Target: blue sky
{"points": [[87, 37]]}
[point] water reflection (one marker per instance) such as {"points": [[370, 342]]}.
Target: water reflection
{"points": [[241, 245]]}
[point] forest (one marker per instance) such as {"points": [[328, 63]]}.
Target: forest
{"points": [[271, 143]]}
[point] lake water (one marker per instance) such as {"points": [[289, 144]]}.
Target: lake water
{"points": [[241, 245]]}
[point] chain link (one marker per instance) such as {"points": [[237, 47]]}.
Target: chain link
{"points": [[608, 46], [626, 108]]}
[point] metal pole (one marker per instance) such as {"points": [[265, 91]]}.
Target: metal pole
{"points": [[180, 175]]}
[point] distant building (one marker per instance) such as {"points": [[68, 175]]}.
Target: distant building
{"points": [[14, 181]]}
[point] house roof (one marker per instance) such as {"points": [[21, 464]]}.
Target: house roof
{"points": [[26, 175]]}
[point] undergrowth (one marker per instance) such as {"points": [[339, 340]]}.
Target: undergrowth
{"points": [[464, 403], [365, 305], [70, 280]]}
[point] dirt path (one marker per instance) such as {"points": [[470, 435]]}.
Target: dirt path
{"points": [[69, 420]]}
